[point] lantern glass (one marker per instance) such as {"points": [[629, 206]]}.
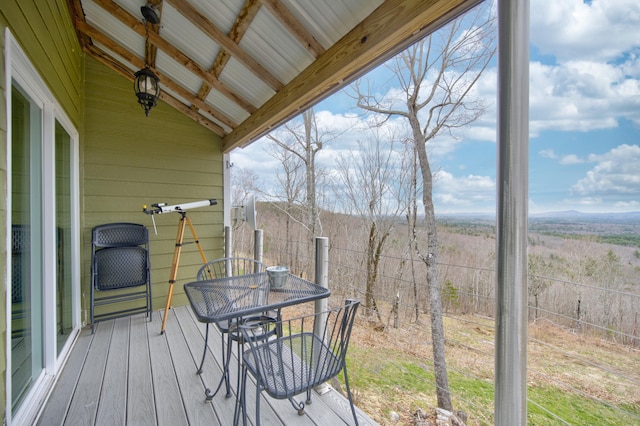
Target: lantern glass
{"points": [[147, 88]]}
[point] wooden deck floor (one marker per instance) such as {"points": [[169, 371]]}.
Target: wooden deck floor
{"points": [[127, 373]]}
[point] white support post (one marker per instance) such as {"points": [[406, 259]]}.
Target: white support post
{"points": [[511, 213], [322, 279]]}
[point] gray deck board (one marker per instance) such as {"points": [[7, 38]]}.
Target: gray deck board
{"points": [[141, 408], [112, 405], [55, 410], [128, 373], [84, 404]]}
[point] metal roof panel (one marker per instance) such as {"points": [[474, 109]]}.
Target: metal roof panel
{"points": [[275, 48]]}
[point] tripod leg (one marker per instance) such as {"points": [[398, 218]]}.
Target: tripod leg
{"points": [[195, 238], [174, 269]]}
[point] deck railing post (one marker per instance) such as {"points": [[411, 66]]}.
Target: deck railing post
{"points": [[322, 279], [257, 245], [228, 242]]}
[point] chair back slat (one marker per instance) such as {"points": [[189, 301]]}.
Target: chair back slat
{"points": [[229, 267], [308, 350]]}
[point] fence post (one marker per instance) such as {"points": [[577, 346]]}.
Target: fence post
{"points": [[322, 279], [257, 244], [228, 242]]}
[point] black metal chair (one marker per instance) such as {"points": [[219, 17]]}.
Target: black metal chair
{"points": [[311, 350], [221, 268], [120, 266]]}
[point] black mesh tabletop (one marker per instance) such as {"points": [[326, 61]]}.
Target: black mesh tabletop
{"points": [[226, 298]]}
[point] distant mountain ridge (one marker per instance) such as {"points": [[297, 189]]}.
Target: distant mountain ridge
{"points": [[564, 215], [575, 214]]}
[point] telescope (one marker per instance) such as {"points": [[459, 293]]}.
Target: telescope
{"points": [[160, 208]]}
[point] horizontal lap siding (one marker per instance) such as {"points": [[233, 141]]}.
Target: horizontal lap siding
{"points": [[131, 160], [45, 32]]}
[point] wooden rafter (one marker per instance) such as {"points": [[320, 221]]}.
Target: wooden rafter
{"points": [[150, 50], [294, 26], [226, 43], [387, 31], [137, 63], [136, 25], [244, 19]]}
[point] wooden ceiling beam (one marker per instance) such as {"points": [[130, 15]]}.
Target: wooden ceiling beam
{"points": [[150, 50], [226, 43], [286, 18], [388, 30], [106, 59], [138, 63], [136, 25], [239, 29]]}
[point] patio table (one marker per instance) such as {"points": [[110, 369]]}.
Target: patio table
{"points": [[246, 296]]}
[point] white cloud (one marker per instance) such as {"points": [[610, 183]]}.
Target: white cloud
{"points": [[571, 159], [599, 30], [616, 173], [466, 193], [581, 96], [627, 206], [548, 153]]}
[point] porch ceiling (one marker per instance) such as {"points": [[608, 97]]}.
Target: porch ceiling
{"points": [[243, 67]]}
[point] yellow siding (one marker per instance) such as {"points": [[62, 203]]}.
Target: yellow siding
{"points": [[131, 160], [45, 32], [3, 230]]}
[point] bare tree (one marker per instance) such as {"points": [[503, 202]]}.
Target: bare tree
{"points": [[435, 77], [537, 279], [244, 182], [373, 182], [290, 181], [304, 140]]}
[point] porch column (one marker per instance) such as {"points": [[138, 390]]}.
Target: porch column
{"points": [[322, 279], [511, 213]]}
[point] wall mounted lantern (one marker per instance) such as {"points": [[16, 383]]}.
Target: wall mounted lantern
{"points": [[147, 88]]}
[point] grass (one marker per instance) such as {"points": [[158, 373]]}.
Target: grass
{"points": [[391, 371]]}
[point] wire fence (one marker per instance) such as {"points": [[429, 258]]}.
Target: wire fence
{"points": [[583, 341]]}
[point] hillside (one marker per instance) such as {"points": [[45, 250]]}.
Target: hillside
{"points": [[584, 334]]}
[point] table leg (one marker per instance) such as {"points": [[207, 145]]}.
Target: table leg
{"points": [[204, 352]]}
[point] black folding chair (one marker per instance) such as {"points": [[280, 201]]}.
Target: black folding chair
{"points": [[310, 350], [120, 266]]}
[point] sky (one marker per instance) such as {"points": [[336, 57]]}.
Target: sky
{"points": [[584, 119]]}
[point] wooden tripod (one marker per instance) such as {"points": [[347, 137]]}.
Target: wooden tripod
{"points": [[184, 219]]}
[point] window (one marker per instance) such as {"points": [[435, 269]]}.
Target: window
{"points": [[43, 313]]}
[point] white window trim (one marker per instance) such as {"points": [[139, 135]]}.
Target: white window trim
{"points": [[18, 67]]}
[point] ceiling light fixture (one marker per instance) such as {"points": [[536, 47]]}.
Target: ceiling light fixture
{"points": [[147, 88], [150, 13], [146, 84]]}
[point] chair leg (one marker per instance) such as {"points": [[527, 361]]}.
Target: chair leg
{"points": [[298, 406], [257, 402], [346, 384], [240, 408], [204, 353]]}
